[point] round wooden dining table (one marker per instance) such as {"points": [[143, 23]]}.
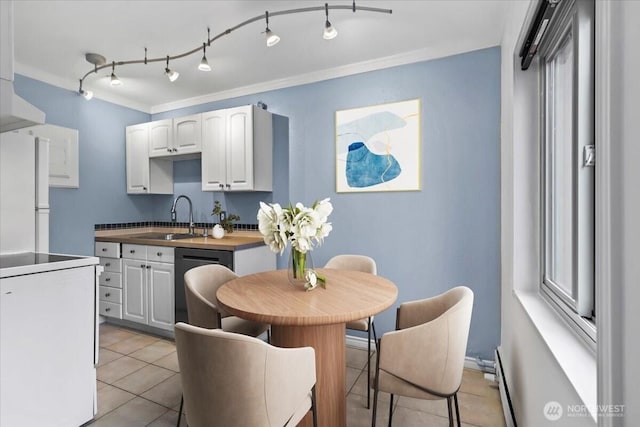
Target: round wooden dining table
{"points": [[315, 319]]}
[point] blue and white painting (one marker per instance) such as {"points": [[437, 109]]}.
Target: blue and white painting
{"points": [[378, 148]]}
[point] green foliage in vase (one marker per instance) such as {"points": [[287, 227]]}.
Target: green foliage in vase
{"points": [[226, 221]]}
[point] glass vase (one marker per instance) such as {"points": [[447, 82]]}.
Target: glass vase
{"points": [[299, 264]]}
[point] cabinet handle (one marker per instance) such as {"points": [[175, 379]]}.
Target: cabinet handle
{"points": [[104, 249], [159, 254], [169, 149], [144, 188], [229, 186], [108, 264], [148, 267], [141, 265], [175, 150], [132, 251], [221, 186], [108, 279], [107, 309], [107, 295]]}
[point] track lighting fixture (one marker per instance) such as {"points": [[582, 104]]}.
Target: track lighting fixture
{"points": [[99, 62], [329, 31], [115, 81], [171, 74], [272, 38], [204, 64]]}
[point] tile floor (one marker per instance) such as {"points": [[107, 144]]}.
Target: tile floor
{"points": [[139, 385]]}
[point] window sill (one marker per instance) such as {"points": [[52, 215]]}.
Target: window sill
{"points": [[576, 360]]}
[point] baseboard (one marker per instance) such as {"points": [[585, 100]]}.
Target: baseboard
{"points": [[469, 362], [505, 398]]}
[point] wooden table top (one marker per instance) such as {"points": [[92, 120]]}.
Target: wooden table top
{"points": [[268, 297]]}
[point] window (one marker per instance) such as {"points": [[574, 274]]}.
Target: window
{"points": [[566, 65]]}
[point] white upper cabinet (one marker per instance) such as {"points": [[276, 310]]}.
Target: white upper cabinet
{"points": [[160, 138], [175, 137], [187, 134], [144, 175], [237, 150]]}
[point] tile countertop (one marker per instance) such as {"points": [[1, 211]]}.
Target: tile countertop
{"points": [[230, 242]]}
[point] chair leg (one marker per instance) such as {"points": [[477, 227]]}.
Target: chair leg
{"points": [[269, 335], [375, 391], [455, 399], [450, 412], [369, 365], [314, 413], [375, 337], [390, 409], [180, 411]]}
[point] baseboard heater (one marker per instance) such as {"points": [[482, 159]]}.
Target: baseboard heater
{"points": [[505, 397]]}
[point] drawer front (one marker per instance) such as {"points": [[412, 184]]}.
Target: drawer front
{"points": [[108, 249], [160, 254], [109, 294], [110, 309], [113, 265], [108, 278], [134, 252]]}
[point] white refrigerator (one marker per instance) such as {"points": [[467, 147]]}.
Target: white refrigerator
{"points": [[48, 302], [24, 193]]}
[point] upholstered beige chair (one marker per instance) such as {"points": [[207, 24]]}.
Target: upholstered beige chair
{"points": [[234, 380], [366, 265], [201, 285], [424, 357]]}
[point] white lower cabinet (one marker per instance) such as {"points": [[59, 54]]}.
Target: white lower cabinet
{"points": [[110, 281], [148, 288]]}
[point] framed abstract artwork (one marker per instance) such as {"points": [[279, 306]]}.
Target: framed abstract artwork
{"points": [[378, 148]]}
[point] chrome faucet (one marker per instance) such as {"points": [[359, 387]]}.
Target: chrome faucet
{"points": [[173, 212]]}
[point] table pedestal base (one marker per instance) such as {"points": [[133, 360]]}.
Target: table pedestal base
{"points": [[328, 341]]}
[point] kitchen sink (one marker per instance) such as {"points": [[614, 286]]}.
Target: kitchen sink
{"points": [[166, 236]]}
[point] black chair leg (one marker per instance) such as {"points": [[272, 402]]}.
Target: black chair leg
{"points": [[375, 337], [369, 365], [450, 412], [375, 392], [314, 413], [455, 400], [269, 335], [180, 411], [390, 409]]}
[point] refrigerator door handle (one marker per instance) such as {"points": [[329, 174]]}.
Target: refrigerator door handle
{"points": [[96, 317]]}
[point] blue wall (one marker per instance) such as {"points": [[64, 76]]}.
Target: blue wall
{"points": [[426, 242]]}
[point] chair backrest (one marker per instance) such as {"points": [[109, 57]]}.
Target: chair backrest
{"points": [[234, 380], [201, 284], [435, 331], [352, 262]]}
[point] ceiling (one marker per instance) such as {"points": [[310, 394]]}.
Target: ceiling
{"points": [[52, 37]]}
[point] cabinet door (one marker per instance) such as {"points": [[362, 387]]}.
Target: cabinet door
{"points": [[161, 138], [134, 299], [213, 151], [137, 158], [239, 175], [187, 134], [161, 295]]}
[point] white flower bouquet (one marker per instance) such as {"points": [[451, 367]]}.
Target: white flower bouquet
{"points": [[303, 227]]}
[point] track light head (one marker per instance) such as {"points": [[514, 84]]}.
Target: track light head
{"points": [[204, 64], [329, 31], [115, 81], [172, 75], [272, 38], [87, 94]]}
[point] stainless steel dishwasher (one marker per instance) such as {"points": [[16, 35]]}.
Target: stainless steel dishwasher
{"points": [[186, 259]]}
